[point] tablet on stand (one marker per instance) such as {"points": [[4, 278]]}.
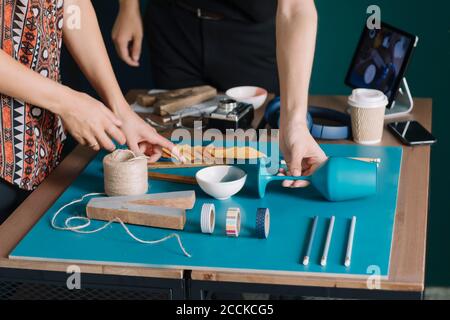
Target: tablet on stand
{"points": [[380, 62], [403, 102]]}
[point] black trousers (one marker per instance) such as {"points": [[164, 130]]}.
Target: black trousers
{"points": [[188, 51], [10, 198]]}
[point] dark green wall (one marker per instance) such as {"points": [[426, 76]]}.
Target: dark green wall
{"points": [[340, 24]]}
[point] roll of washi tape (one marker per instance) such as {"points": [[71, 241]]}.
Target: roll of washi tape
{"points": [[233, 222], [208, 218], [262, 223]]}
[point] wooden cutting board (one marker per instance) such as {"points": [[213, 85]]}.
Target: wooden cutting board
{"points": [[169, 102]]}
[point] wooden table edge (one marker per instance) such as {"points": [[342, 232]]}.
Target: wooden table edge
{"points": [[302, 280], [92, 268]]}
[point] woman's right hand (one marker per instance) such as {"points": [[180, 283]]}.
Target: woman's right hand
{"points": [[90, 122]]}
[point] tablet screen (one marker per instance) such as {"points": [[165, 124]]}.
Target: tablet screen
{"points": [[380, 60]]}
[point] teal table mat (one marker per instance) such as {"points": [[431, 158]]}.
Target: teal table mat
{"points": [[292, 211]]}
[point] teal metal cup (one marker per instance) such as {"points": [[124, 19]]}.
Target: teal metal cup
{"points": [[338, 179]]}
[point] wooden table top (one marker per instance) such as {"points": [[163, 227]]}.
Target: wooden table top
{"points": [[407, 269]]}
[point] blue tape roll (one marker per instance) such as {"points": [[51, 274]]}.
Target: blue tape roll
{"points": [[262, 223], [318, 130]]}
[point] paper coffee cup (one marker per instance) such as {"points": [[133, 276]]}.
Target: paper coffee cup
{"points": [[367, 113]]}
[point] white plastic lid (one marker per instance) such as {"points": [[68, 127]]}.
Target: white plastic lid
{"points": [[367, 98]]}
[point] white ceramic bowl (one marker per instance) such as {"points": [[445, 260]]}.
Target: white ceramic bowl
{"points": [[221, 182], [253, 95]]}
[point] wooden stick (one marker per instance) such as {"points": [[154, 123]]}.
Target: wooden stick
{"points": [[174, 100], [172, 178], [376, 160], [174, 165]]}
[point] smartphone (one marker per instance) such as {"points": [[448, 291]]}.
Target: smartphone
{"points": [[411, 133]]}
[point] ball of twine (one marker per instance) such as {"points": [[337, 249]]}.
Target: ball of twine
{"points": [[125, 174]]}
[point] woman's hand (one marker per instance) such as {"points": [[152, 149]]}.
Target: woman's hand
{"points": [[302, 153], [128, 33], [142, 138], [90, 122]]}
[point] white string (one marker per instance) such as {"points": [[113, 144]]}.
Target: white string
{"points": [[125, 173], [68, 226]]}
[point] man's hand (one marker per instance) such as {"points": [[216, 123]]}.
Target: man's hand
{"points": [[128, 33], [302, 153], [296, 27]]}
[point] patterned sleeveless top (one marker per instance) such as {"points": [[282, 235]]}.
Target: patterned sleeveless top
{"points": [[31, 138]]}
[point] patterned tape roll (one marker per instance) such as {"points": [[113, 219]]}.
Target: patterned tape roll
{"points": [[208, 218], [233, 223], [262, 223]]}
